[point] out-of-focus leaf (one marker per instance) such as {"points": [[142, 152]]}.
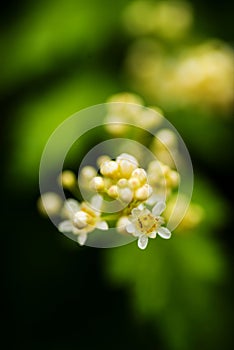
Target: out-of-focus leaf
{"points": [[38, 118], [53, 31], [208, 136]]}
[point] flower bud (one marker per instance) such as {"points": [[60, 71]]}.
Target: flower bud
{"points": [[109, 168], [97, 183], [102, 159], [127, 163], [125, 194], [167, 137], [121, 224], [122, 183], [80, 219], [88, 172], [143, 192], [140, 174], [49, 203], [172, 179], [67, 179], [113, 192], [134, 183]]}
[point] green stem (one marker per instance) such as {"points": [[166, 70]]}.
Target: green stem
{"points": [[110, 217]]}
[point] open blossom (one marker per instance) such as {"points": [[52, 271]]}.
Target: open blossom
{"points": [[145, 224], [82, 218]]}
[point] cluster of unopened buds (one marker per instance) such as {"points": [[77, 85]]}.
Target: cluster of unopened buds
{"points": [[140, 196]]}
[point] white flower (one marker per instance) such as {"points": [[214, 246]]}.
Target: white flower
{"points": [[82, 218], [146, 224]]}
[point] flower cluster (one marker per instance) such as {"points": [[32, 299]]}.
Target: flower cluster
{"points": [[197, 75], [138, 191]]}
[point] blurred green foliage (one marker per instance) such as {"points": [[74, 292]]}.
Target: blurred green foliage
{"points": [[50, 33], [175, 284], [41, 115]]}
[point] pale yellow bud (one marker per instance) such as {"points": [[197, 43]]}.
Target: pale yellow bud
{"points": [[143, 192], [172, 179], [110, 168], [134, 183], [121, 224], [122, 183], [67, 179], [148, 118], [125, 194], [113, 192], [127, 163], [102, 159], [88, 172], [140, 174], [49, 204], [97, 183], [126, 156], [126, 168], [164, 168], [167, 137]]}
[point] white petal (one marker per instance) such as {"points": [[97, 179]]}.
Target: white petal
{"points": [[96, 202], [158, 208], [136, 234], [164, 232], [102, 225], [142, 241], [72, 205], [65, 226], [153, 235], [155, 198], [130, 228], [81, 238]]}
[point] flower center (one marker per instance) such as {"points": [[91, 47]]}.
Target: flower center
{"points": [[147, 223]]}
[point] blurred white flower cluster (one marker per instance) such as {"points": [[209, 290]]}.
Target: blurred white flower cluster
{"points": [[201, 75], [170, 66], [125, 109]]}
